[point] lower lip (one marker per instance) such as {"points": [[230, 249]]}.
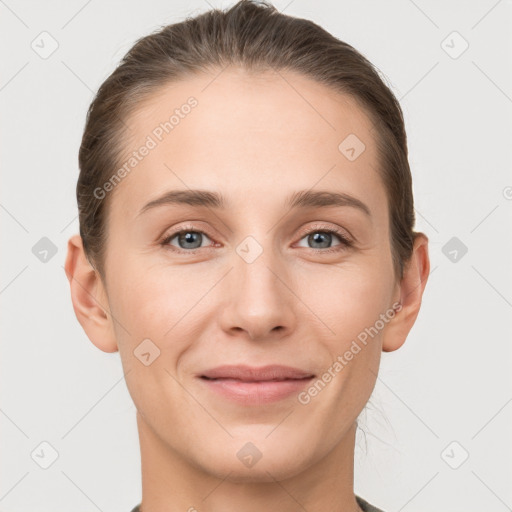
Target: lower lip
{"points": [[256, 393]]}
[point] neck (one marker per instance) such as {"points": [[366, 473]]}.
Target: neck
{"points": [[171, 483]]}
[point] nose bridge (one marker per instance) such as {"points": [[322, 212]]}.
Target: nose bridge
{"points": [[258, 301]]}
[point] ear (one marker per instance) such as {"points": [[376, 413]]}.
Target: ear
{"points": [[89, 297], [410, 292]]}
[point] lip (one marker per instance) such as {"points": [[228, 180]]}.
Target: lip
{"points": [[248, 385]]}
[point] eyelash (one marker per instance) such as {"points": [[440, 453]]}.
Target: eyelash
{"points": [[344, 245]]}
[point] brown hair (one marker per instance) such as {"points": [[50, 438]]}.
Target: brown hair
{"points": [[254, 36]]}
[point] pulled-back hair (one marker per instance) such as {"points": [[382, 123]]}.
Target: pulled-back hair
{"points": [[253, 36]]}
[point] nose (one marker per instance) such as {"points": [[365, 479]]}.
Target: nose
{"points": [[259, 301]]}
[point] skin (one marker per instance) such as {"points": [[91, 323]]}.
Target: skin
{"points": [[256, 140]]}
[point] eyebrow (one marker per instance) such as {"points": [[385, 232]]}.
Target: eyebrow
{"points": [[301, 199]]}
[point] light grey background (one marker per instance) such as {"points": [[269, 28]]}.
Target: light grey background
{"points": [[451, 379]]}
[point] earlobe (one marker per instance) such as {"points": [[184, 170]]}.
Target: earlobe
{"points": [[411, 292], [90, 302]]}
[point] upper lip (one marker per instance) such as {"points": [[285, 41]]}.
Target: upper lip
{"points": [[253, 374]]}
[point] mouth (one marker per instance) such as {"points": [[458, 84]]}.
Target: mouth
{"points": [[254, 380], [256, 374], [255, 386]]}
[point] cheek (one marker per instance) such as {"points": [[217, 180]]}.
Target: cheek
{"points": [[151, 304], [159, 301], [347, 299], [156, 302]]}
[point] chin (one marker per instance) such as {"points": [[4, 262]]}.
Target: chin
{"points": [[273, 464]]}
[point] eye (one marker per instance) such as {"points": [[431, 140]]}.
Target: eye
{"points": [[187, 239], [322, 239]]}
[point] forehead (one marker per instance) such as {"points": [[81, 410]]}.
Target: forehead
{"points": [[251, 135]]}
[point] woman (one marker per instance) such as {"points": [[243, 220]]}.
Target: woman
{"points": [[246, 243]]}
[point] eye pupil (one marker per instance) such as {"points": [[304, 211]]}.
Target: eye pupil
{"points": [[189, 237], [323, 239]]}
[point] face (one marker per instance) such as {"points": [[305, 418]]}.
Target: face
{"points": [[276, 275]]}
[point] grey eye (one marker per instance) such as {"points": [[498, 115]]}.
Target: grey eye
{"points": [[189, 239], [321, 238]]}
